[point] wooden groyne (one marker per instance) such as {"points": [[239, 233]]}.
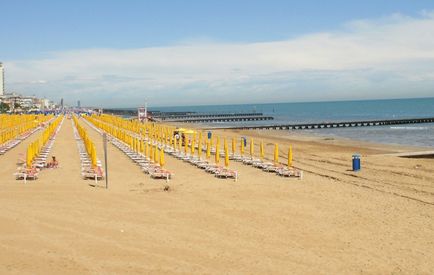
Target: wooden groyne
{"points": [[328, 125]]}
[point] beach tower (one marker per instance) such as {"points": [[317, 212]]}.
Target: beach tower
{"points": [[142, 113], [2, 80]]}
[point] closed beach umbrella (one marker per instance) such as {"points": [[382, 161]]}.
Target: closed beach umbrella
{"points": [[156, 159], [262, 150], [93, 155], [199, 146], [289, 156], [162, 161], [276, 153], [252, 148], [242, 147], [226, 155], [29, 157], [185, 146], [217, 149], [193, 146], [151, 152]]}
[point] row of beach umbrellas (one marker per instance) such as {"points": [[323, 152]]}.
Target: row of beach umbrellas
{"points": [[34, 149], [12, 126], [134, 133]]}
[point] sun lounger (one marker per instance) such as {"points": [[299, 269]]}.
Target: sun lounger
{"points": [[272, 168], [93, 173], [286, 172], [161, 174], [226, 173], [27, 174]]}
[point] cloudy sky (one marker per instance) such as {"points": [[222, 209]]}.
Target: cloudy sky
{"points": [[117, 54]]}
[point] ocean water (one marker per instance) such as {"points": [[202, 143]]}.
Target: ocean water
{"points": [[291, 113]]}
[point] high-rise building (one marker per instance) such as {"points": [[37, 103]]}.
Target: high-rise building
{"points": [[2, 79], [78, 104], [61, 103]]}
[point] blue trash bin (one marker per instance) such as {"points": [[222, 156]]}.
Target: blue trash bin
{"points": [[209, 135], [245, 141], [356, 162]]}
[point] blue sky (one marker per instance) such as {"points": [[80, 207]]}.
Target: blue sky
{"points": [[185, 52]]}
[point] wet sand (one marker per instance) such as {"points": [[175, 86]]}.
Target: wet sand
{"points": [[335, 221]]}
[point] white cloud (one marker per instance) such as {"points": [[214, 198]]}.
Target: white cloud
{"points": [[387, 57]]}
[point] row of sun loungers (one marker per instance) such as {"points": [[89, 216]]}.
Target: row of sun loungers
{"points": [[269, 166], [210, 167], [148, 167], [40, 162], [13, 143], [87, 171], [217, 170]]}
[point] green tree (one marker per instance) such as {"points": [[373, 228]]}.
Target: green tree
{"points": [[4, 107]]}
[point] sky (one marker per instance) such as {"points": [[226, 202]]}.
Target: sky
{"points": [[172, 53]]}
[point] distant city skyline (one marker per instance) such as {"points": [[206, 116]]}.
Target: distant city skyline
{"points": [[119, 54]]}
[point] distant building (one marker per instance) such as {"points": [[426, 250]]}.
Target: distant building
{"points": [[2, 80], [78, 104], [61, 103]]}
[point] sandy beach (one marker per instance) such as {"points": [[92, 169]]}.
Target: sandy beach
{"points": [[334, 221]]}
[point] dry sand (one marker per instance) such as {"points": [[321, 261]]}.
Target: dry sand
{"points": [[334, 221]]}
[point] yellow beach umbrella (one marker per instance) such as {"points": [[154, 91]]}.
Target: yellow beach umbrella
{"points": [[93, 155], [156, 157], [200, 136], [199, 146], [226, 155], [217, 149], [276, 153], [151, 152], [262, 153], [289, 156], [162, 161], [242, 147], [180, 143], [252, 148], [192, 146], [29, 157]]}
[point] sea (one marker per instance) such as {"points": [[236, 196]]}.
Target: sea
{"points": [[311, 112]]}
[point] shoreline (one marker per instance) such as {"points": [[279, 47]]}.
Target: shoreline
{"points": [[303, 136]]}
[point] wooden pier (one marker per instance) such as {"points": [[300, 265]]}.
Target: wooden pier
{"points": [[221, 119], [328, 125], [174, 117]]}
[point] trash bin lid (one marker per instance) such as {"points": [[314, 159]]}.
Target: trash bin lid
{"points": [[356, 156]]}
